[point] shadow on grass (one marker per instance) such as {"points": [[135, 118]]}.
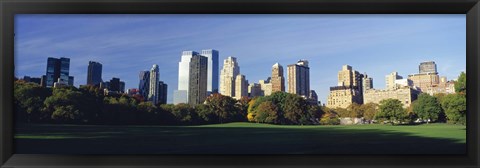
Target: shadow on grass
{"points": [[79, 139]]}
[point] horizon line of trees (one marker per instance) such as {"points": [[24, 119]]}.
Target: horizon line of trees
{"points": [[88, 105]]}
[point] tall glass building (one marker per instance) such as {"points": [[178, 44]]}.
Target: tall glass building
{"points": [[197, 92], [212, 71], [181, 95], [154, 78], [144, 84], [94, 74], [58, 70]]}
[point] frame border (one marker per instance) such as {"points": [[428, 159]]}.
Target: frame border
{"points": [[9, 8]]}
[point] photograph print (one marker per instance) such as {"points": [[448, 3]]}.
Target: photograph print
{"points": [[234, 84]]}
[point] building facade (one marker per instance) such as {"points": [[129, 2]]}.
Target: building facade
{"points": [[265, 87], [254, 90], [425, 81], [427, 67], [144, 85], [349, 90], [277, 79], [390, 80], [153, 91], [299, 78], [343, 96], [114, 85], [227, 76], [197, 91], [181, 94], [94, 74], [367, 83], [241, 87], [58, 70], [406, 95], [162, 92]]}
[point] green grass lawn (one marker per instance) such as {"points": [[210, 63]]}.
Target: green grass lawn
{"points": [[241, 138]]}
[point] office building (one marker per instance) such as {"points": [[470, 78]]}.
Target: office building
{"points": [[349, 89], [197, 91], [58, 70], [181, 94], [406, 95], [153, 86], [425, 81], [299, 78], [277, 79], [94, 73], [213, 67], [367, 83], [313, 97], [144, 85], [114, 85], [427, 67], [266, 87], [163, 90], [390, 80], [241, 87], [254, 90], [32, 80], [227, 76]]}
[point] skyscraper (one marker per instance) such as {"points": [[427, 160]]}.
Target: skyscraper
{"points": [[162, 89], [197, 91], [114, 85], [277, 79], [227, 76], [58, 71], [367, 82], [390, 80], [212, 55], [122, 87], [427, 67], [153, 86], [181, 94], [299, 78], [144, 84], [254, 89], [94, 74], [241, 87], [349, 89]]}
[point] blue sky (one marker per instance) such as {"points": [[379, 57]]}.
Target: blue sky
{"points": [[128, 44]]}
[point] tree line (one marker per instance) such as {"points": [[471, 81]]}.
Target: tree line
{"points": [[88, 105]]}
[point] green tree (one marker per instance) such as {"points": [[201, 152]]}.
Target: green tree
{"points": [[455, 107], [267, 112], [183, 113], [316, 112], [242, 108], [67, 105], [28, 100], [223, 106], [461, 83], [355, 111], [330, 117], [342, 112], [295, 108], [206, 114], [369, 110], [147, 113], [391, 110], [427, 107]]}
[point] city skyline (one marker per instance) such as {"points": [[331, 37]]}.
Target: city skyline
{"points": [[432, 38]]}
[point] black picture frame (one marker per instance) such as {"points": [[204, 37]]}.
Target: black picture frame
{"points": [[9, 8]]}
